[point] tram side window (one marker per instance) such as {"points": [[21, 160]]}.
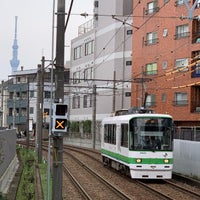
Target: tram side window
{"points": [[110, 133], [124, 135]]}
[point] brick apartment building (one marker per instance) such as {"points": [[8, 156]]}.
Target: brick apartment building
{"points": [[166, 59]]}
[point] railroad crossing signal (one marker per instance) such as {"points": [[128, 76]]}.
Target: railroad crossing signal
{"points": [[60, 117]]}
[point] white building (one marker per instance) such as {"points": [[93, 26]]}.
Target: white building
{"points": [[101, 56]]}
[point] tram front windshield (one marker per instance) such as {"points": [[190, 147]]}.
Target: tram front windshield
{"points": [[151, 134]]}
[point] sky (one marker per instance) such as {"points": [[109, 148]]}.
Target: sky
{"points": [[34, 30]]}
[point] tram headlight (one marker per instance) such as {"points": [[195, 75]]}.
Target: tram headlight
{"points": [[166, 161], [138, 160]]}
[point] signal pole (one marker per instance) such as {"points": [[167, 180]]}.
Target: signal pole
{"points": [[94, 115], [59, 97]]}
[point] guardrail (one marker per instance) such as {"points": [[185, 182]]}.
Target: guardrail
{"points": [[187, 133]]}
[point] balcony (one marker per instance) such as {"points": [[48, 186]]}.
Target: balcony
{"points": [[84, 28], [17, 103], [18, 119], [18, 87], [195, 71], [196, 37]]}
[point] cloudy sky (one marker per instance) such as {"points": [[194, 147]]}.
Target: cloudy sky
{"points": [[34, 34]]}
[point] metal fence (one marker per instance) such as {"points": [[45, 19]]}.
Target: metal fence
{"points": [[187, 133]]}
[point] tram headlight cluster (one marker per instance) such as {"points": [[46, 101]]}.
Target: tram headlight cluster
{"points": [[138, 160], [166, 161]]}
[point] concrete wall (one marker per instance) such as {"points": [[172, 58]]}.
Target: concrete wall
{"points": [[187, 158], [8, 158]]}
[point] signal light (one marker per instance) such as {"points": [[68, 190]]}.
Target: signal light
{"points": [[60, 117]]}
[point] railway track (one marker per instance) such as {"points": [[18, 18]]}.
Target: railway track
{"points": [[90, 188], [168, 190], [191, 194]]}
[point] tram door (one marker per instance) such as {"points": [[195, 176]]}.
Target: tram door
{"points": [[118, 139]]}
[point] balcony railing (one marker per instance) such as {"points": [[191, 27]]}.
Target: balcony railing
{"points": [[17, 103], [152, 41], [84, 28], [180, 103], [18, 119], [181, 35]]}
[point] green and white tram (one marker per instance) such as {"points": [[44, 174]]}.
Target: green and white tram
{"points": [[139, 145]]}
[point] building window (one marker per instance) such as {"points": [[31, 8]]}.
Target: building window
{"points": [[181, 98], [127, 94], [150, 100], [179, 2], [87, 101], [96, 4], [128, 63], [76, 77], [32, 93], [182, 64], [152, 8], [31, 110], [77, 52], [18, 79], [24, 95], [75, 102], [47, 94], [164, 97], [129, 32], [165, 32], [17, 95], [88, 74], [151, 69], [151, 38], [89, 47], [182, 31], [10, 112]]}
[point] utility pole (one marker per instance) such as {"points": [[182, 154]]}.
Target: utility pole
{"points": [[59, 97], [27, 120], [39, 124], [114, 92], [94, 115], [2, 100]]}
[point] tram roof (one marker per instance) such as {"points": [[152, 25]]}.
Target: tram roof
{"points": [[126, 118]]}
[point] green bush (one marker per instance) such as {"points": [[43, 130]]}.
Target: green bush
{"points": [[74, 126], [87, 126], [26, 188]]}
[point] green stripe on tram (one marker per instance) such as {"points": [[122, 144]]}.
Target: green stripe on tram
{"points": [[133, 160]]}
